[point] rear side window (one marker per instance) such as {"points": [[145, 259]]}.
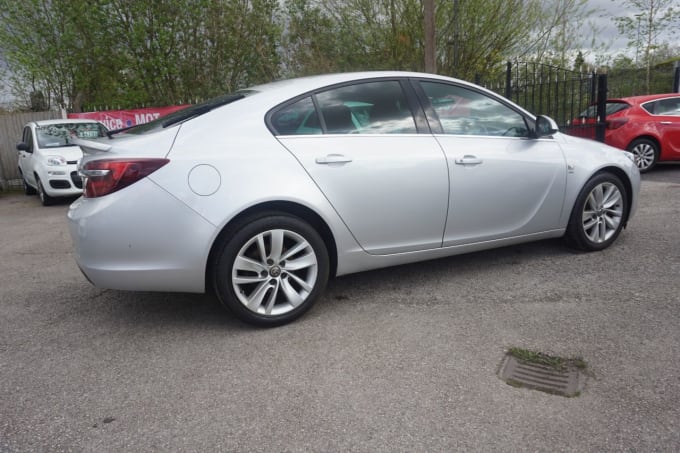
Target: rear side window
{"points": [[363, 108], [669, 106], [299, 118], [367, 108]]}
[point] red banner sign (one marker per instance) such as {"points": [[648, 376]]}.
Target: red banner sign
{"points": [[118, 119]]}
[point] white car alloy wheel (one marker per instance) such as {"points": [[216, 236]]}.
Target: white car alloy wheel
{"points": [[45, 199], [272, 270], [645, 152], [599, 213]]}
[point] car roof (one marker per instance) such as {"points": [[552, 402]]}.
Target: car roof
{"points": [[62, 121], [637, 100], [283, 90], [301, 85]]}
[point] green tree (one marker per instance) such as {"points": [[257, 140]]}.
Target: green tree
{"points": [[136, 52], [645, 29], [49, 48]]}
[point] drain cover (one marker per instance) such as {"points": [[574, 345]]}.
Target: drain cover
{"points": [[567, 380]]}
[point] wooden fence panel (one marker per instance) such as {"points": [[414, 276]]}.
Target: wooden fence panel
{"points": [[11, 127]]}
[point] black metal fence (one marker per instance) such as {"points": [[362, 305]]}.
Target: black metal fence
{"points": [[576, 100]]}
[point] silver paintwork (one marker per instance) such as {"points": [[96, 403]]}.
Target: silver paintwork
{"points": [[386, 199]]}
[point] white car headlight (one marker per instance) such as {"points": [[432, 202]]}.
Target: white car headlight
{"points": [[630, 156], [56, 160]]}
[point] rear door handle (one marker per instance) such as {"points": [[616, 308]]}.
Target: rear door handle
{"points": [[468, 160], [666, 122], [333, 159]]}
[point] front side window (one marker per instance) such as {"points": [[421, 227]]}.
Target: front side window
{"points": [[27, 138], [462, 111], [367, 108]]}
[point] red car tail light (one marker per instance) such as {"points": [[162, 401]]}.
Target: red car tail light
{"points": [[616, 123], [108, 176]]}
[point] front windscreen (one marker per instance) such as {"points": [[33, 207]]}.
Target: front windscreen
{"points": [[56, 135]]}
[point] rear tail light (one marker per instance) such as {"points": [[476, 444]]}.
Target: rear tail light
{"points": [[107, 176], [616, 123]]}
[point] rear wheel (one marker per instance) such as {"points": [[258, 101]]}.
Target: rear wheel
{"points": [[45, 199], [599, 213], [271, 270], [646, 153]]}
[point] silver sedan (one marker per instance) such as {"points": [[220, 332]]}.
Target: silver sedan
{"points": [[265, 194]]}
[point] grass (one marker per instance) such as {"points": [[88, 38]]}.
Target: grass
{"points": [[539, 358]]}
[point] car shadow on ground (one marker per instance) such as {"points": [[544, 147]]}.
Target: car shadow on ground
{"points": [[181, 311], [664, 172]]}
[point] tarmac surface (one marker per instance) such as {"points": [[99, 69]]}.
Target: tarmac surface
{"points": [[400, 359]]}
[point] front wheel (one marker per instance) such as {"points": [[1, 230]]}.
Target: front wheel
{"points": [[599, 213], [271, 270], [646, 153], [45, 199]]}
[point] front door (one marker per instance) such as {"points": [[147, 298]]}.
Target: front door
{"points": [[26, 157], [503, 184]]}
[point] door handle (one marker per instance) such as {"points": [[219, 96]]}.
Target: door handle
{"points": [[333, 159], [468, 160], [666, 122]]}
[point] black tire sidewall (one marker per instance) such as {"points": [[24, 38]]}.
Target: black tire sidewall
{"points": [[654, 146], [234, 241], [576, 236]]}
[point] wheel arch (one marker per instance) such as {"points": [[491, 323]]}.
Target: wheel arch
{"points": [[646, 137], [286, 207], [625, 180]]}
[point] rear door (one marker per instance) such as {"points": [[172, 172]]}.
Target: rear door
{"points": [[360, 144], [666, 112]]}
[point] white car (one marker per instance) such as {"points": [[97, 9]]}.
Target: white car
{"points": [[48, 160], [266, 194]]}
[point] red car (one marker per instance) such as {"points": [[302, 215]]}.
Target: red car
{"points": [[647, 126]]}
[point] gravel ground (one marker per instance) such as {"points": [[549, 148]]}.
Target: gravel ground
{"points": [[400, 359]]}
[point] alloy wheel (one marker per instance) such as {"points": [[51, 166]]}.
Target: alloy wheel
{"points": [[645, 155], [274, 272], [602, 212]]}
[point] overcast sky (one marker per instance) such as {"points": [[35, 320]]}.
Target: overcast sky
{"points": [[604, 20]]}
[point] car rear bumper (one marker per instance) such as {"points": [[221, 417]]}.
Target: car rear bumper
{"points": [[127, 245]]}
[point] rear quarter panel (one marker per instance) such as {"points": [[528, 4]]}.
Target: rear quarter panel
{"points": [[227, 161]]}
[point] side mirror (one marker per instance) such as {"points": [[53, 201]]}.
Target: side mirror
{"points": [[23, 147], [545, 126]]}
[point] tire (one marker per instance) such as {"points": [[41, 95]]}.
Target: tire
{"points": [[271, 270], [28, 190], [646, 153], [599, 213], [45, 199]]}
